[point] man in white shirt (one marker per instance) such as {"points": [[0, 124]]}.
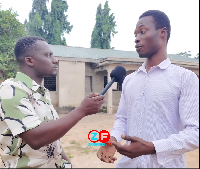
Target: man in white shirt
{"points": [[158, 113]]}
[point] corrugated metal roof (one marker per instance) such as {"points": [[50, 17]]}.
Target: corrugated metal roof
{"points": [[93, 53]]}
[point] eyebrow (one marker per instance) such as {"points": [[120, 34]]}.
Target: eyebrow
{"points": [[49, 52], [138, 28]]}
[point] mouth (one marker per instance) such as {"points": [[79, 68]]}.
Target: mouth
{"points": [[55, 67], [138, 47]]}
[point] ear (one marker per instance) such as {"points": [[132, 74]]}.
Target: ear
{"points": [[29, 61], [164, 32]]}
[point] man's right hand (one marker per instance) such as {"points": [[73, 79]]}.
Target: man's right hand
{"points": [[106, 153], [91, 104]]}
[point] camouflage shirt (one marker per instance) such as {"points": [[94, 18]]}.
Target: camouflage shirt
{"points": [[24, 105]]}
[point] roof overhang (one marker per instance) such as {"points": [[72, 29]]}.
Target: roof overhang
{"points": [[129, 61], [107, 61]]}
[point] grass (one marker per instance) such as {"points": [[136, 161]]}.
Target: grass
{"points": [[87, 151], [76, 147], [73, 142], [69, 155]]}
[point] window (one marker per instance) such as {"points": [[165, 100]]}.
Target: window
{"points": [[105, 81], [91, 86], [88, 84], [119, 86], [50, 83]]}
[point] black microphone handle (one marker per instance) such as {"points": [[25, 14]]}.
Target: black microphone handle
{"points": [[108, 86]]}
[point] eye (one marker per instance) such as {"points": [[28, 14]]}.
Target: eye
{"points": [[49, 55], [143, 32]]}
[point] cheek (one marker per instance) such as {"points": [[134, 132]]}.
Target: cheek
{"points": [[151, 42], [45, 65]]}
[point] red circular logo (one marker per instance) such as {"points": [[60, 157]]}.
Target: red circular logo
{"points": [[104, 136], [93, 140]]}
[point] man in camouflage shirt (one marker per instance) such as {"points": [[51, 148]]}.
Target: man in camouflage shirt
{"points": [[30, 128]]}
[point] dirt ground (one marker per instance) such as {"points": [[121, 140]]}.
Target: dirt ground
{"points": [[75, 144]]}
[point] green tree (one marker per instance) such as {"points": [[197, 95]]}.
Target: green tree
{"points": [[10, 31], [185, 54], [197, 56], [59, 23], [104, 28], [37, 19], [49, 25], [96, 40]]}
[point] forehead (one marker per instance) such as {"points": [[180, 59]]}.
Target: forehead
{"points": [[146, 21], [43, 46]]}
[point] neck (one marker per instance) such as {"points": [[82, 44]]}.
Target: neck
{"points": [[32, 75], [156, 59]]}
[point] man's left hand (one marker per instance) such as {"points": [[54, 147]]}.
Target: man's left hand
{"points": [[137, 147]]}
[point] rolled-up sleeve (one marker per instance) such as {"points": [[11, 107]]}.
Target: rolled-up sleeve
{"points": [[17, 110], [187, 139]]}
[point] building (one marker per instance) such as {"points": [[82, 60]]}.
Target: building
{"points": [[86, 70]]}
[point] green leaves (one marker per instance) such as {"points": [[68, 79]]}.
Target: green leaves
{"points": [[188, 54], [10, 31], [104, 28], [197, 56], [185, 54], [49, 25]]}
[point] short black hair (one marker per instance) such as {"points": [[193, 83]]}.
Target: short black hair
{"points": [[25, 46], [161, 20]]}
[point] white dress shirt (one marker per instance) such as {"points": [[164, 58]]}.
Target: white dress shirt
{"points": [[162, 107]]}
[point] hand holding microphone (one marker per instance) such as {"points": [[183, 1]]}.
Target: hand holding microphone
{"points": [[91, 104]]}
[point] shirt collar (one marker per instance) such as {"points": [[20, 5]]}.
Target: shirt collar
{"points": [[26, 80], [163, 65]]}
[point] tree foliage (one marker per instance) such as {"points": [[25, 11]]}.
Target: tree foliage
{"points": [[188, 54], [185, 54], [10, 31], [104, 28], [197, 56], [50, 25], [59, 22]]}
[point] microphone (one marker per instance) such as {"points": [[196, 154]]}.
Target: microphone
{"points": [[117, 75]]}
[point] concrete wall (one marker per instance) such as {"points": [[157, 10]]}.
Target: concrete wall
{"points": [[71, 83], [99, 84], [117, 94], [54, 98], [97, 80]]}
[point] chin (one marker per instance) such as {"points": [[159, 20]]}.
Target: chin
{"points": [[54, 74], [141, 55], [146, 55]]}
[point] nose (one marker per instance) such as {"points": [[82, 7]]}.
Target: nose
{"points": [[137, 39], [55, 61]]}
